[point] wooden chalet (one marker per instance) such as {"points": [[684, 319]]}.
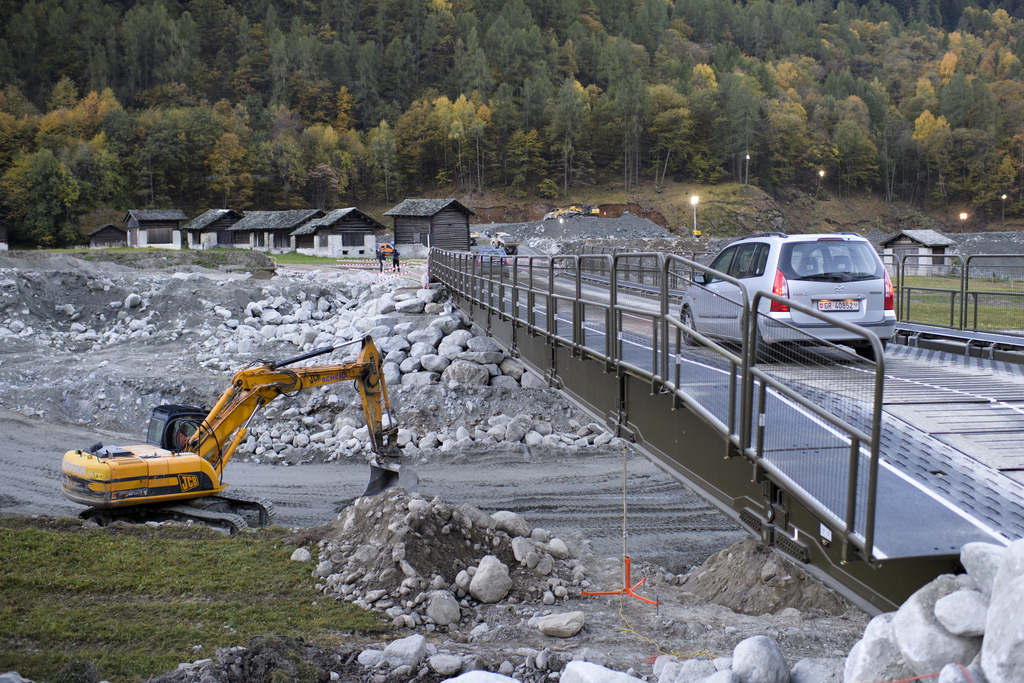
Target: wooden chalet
{"points": [[157, 228], [443, 223], [212, 229], [342, 232], [271, 230], [108, 236]]}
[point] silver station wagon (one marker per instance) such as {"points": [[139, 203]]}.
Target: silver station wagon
{"points": [[839, 274]]}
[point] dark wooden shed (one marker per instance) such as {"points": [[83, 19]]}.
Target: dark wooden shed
{"points": [[158, 228], [271, 230], [212, 229], [342, 232], [445, 220], [108, 236]]}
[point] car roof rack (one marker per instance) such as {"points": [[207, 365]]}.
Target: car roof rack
{"points": [[766, 234]]}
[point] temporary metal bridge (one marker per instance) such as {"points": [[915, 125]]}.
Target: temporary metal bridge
{"points": [[802, 446]]}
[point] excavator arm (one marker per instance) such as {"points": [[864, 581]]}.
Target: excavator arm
{"points": [[253, 387]]}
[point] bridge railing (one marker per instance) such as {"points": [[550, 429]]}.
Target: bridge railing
{"points": [[994, 294], [806, 413], [931, 290]]}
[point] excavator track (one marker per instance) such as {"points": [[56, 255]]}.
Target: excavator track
{"points": [[229, 514]]}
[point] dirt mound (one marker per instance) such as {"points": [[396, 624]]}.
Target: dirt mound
{"points": [[387, 552], [751, 579]]}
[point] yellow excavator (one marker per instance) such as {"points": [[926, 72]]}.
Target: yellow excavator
{"points": [[178, 473]]}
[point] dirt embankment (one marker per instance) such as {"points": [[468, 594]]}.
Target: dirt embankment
{"points": [[536, 212]]}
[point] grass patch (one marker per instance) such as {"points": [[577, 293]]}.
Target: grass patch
{"points": [[136, 601]]}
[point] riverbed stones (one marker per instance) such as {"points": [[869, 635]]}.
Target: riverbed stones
{"points": [[491, 582], [759, 660], [563, 625]]}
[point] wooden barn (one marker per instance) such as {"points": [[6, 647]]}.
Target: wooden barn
{"points": [[271, 230], [157, 228], [342, 232], [421, 223], [108, 236], [212, 229]]}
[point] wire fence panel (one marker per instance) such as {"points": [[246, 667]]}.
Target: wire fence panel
{"points": [[931, 290], [994, 294]]}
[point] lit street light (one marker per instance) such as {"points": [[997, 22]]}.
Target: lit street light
{"points": [[821, 174], [1002, 220], [693, 200], [746, 175], [963, 217]]}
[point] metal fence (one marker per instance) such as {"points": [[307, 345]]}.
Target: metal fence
{"points": [[806, 412], [982, 293]]}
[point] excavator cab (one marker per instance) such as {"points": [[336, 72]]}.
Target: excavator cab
{"points": [[171, 426]]}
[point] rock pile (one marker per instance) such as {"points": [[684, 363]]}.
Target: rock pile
{"points": [[427, 564]]}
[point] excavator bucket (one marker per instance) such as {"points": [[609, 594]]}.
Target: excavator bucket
{"points": [[382, 479]]}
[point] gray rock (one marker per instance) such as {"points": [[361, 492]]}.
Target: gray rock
{"points": [[426, 335], [962, 613], [395, 343], [1002, 655], [482, 357], [434, 362], [482, 344], [504, 382], [301, 555], [427, 296], [410, 365], [521, 547], [876, 657], [588, 672], [443, 608], [694, 671], [925, 644], [392, 374], [512, 368], [517, 427], [445, 665], [409, 306], [464, 372], [981, 560], [564, 625], [481, 677], [419, 349], [511, 523], [419, 379], [370, 658], [532, 381], [449, 351], [723, 676], [270, 317], [448, 324], [955, 673], [458, 338], [818, 671], [558, 548], [406, 651], [132, 301], [759, 660], [491, 582]]}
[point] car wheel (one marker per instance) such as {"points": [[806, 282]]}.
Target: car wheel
{"points": [[867, 352], [686, 317]]}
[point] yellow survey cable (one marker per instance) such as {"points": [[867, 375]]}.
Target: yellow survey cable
{"points": [[629, 627]]}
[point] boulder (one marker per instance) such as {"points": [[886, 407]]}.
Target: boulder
{"points": [[693, 671], [532, 381], [512, 368], [759, 660], [443, 608], [464, 372], [962, 613], [1002, 655], [511, 523], [517, 427], [817, 671], [445, 665], [434, 362], [491, 582], [481, 677], [981, 560], [875, 657], [426, 335], [587, 672], [406, 651], [564, 625], [504, 382], [926, 645]]}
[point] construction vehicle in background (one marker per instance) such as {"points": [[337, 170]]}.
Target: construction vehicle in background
{"points": [[178, 473], [574, 210], [503, 240]]}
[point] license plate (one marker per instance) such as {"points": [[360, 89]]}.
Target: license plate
{"points": [[828, 305]]}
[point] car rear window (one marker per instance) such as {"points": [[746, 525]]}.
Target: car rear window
{"points": [[829, 259]]}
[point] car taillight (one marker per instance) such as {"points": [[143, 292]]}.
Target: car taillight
{"points": [[890, 293], [780, 288]]}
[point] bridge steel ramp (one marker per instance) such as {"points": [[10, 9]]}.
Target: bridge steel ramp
{"points": [[791, 441]]}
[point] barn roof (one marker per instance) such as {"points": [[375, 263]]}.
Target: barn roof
{"points": [[334, 217], [927, 238], [156, 215], [275, 220], [104, 227], [426, 207], [203, 220]]}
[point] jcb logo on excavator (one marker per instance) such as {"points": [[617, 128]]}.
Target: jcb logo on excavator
{"points": [[188, 481]]}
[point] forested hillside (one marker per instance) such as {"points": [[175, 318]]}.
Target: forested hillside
{"points": [[288, 103]]}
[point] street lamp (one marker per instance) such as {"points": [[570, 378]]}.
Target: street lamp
{"points": [[963, 217], [821, 174], [746, 175], [1002, 220], [693, 200]]}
